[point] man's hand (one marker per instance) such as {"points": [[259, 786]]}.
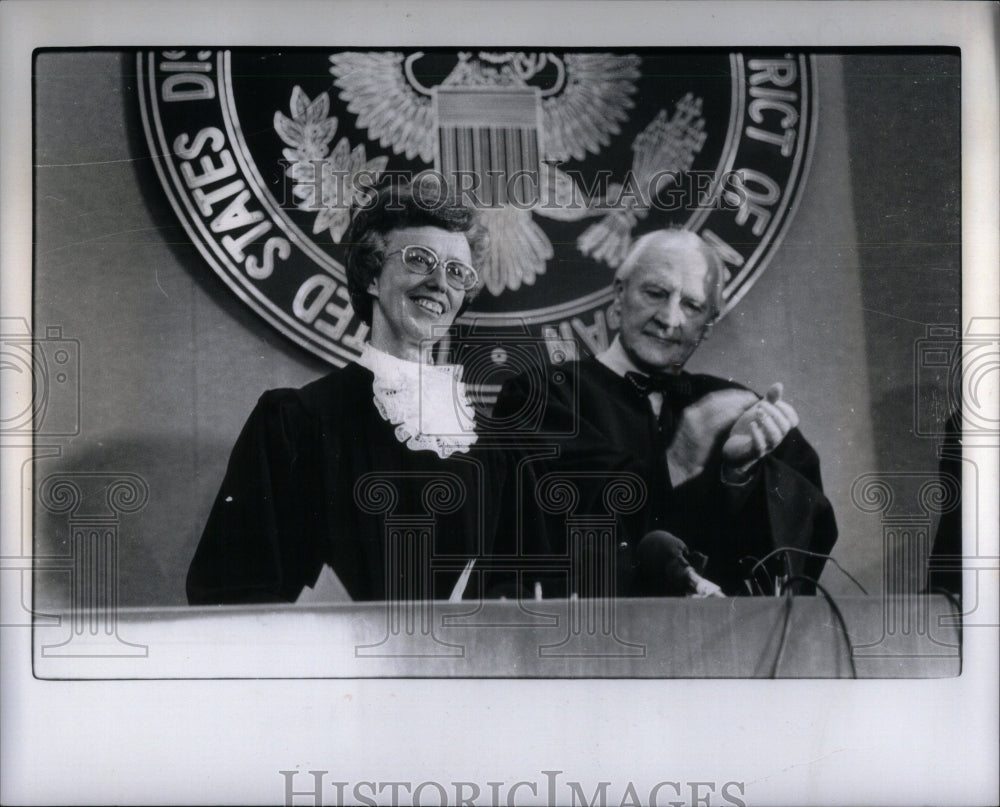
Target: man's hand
{"points": [[703, 587], [757, 432], [702, 424]]}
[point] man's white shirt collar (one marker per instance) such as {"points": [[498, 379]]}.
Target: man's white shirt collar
{"points": [[618, 362]]}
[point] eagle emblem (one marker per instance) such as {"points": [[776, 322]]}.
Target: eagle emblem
{"points": [[499, 125]]}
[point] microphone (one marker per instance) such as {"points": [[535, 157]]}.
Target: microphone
{"points": [[664, 569]]}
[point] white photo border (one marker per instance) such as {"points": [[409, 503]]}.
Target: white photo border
{"points": [[804, 742]]}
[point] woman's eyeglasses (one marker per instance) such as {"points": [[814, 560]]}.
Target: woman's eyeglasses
{"points": [[423, 260]]}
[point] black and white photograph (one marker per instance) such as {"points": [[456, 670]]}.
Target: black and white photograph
{"points": [[560, 339], [366, 373]]}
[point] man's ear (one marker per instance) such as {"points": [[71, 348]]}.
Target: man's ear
{"points": [[373, 287]]}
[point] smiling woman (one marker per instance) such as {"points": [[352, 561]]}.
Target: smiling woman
{"points": [[418, 291], [373, 470]]}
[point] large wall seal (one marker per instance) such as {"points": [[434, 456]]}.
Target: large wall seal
{"points": [[569, 155]]}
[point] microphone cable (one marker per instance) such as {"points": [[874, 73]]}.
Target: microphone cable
{"points": [[830, 558], [750, 579], [786, 590]]}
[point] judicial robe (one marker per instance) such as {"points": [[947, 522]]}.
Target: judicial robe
{"points": [[317, 477], [599, 422]]}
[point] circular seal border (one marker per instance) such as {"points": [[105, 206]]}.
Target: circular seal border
{"points": [[202, 78]]}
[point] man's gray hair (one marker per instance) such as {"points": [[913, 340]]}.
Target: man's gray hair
{"points": [[713, 258]]}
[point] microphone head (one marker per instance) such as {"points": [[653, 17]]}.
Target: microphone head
{"points": [[662, 565]]}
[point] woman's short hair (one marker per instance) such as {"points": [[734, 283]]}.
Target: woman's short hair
{"points": [[396, 207]]}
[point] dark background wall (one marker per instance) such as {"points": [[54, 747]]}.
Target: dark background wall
{"points": [[171, 363]]}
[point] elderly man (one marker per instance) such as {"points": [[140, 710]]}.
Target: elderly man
{"points": [[726, 472]]}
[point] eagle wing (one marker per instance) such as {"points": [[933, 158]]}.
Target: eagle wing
{"points": [[375, 88], [518, 249], [594, 101]]}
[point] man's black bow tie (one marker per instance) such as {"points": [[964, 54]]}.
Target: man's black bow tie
{"points": [[673, 386]]}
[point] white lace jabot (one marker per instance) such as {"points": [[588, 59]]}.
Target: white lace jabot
{"points": [[427, 403]]}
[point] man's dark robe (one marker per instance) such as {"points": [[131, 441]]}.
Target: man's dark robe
{"points": [[601, 423]]}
